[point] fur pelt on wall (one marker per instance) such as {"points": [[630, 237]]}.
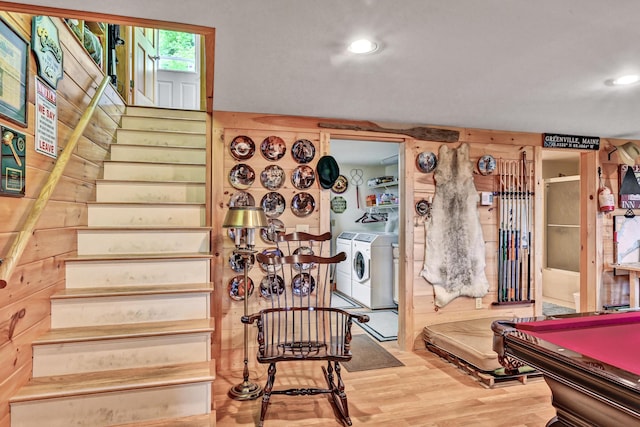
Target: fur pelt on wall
{"points": [[454, 246]]}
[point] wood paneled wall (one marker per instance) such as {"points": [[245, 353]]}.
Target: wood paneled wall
{"points": [[24, 303], [417, 307]]}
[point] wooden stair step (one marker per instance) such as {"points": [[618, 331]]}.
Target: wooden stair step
{"points": [[146, 190], [206, 420], [152, 239], [158, 256], [110, 381], [132, 290], [79, 334], [158, 154], [163, 123], [142, 111], [141, 171], [161, 138], [146, 214]]}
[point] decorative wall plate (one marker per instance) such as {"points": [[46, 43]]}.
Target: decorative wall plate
{"points": [[242, 176], [272, 177], [273, 204], [241, 199], [303, 177], [236, 287], [303, 250], [426, 162], [341, 185], [486, 164], [270, 234], [271, 284], [270, 252], [303, 204], [242, 147], [236, 262], [273, 148], [303, 151], [303, 284]]}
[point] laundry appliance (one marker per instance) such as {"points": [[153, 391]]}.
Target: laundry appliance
{"points": [[343, 273], [372, 274]]}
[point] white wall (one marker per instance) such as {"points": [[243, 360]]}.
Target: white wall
{"points": [[346, 221]]}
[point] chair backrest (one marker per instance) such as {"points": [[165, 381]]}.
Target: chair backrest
{"points": [[300, 322]]}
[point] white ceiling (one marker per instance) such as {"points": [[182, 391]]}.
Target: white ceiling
{"points": [[536, 66]]}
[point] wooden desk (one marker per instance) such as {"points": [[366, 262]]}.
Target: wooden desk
{"points": [[634, 288]]}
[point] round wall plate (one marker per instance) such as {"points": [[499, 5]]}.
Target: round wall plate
{"points": [[242, 147], [426, 162], [486, 164]]}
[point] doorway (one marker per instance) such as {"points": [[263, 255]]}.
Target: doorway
{"points": [[561, 246], [366, 207]]}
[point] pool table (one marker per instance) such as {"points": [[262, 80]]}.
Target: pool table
{"points": [[591, 362]]}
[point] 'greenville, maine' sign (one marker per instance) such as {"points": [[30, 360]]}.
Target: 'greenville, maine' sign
{"points": [[556, 140]]}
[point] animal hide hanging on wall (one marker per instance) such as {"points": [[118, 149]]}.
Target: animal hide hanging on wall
{"points": [[454, 246]]}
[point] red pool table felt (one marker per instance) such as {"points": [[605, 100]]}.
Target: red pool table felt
{"points": [[612, 338]]}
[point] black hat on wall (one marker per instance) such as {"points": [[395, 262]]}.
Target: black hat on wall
{"points": [[327, 171]]}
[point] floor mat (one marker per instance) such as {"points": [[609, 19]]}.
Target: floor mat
{"points": [[368, 355], [549, 309], [382, 324], [338, 301]]}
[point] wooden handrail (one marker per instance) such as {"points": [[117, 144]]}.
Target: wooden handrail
{"points": [[21, 240]]}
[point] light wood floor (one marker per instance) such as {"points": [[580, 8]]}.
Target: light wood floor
{"points": [[427, 391]]}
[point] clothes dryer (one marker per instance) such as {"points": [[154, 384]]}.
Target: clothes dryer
{"points": [[372, 276], [344, 243]]}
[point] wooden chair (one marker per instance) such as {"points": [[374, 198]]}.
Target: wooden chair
{"points": [[300, 324]]}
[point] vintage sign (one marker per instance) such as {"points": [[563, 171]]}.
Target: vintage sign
{"points": [[46, 137], [12, 162], [629, 178], [577, 142], [46, 47]]}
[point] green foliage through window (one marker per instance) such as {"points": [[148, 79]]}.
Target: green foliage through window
{"points": [[177, 51]]}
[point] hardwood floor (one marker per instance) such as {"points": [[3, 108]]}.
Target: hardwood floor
{"points": [[427, 391]]}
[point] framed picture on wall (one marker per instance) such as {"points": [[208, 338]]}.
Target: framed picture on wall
{"points": [[14, 70]]}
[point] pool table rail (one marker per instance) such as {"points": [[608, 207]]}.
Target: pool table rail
{"points": [[586, 392]]}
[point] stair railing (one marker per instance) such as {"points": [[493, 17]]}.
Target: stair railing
{"points": [[8, 264]]}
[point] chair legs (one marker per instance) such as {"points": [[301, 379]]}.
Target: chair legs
{"points": [[337, 391], [331, 374], [267, 392]]}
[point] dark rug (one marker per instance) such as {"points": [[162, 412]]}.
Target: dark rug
{"points": [[368, 355]]}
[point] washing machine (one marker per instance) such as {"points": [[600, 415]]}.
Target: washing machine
{"points": [[372, 273], [344, 243]]}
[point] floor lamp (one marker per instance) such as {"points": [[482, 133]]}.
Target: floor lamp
{"points": [[245, 218]]}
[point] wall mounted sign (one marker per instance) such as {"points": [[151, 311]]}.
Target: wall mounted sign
{"points": [[338, 204], [14, 69], [46, 47], [629, 178], [577, 142], [12, 162], [46, 120]]}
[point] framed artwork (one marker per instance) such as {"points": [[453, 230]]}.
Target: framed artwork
{"points": [[14, 70], [629, 194]]}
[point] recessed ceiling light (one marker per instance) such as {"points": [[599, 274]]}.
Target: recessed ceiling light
{"points": [[363, 46], [626, 80]]}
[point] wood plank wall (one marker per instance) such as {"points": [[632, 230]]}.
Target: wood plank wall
{"points": [[417, 307], [24, 303]]}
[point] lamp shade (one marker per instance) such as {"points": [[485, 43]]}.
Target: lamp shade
{"points": [[628, 153], [245, 217]]}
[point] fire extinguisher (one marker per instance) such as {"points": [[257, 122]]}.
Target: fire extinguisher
{"points": [[606, 201]]}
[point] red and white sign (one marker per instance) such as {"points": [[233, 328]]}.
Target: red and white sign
{"points": [[46, 120]]}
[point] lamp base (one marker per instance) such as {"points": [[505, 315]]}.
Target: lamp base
{"points": [[246, 390]]}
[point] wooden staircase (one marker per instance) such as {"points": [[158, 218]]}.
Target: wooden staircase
{"points": [[130, 338]]}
